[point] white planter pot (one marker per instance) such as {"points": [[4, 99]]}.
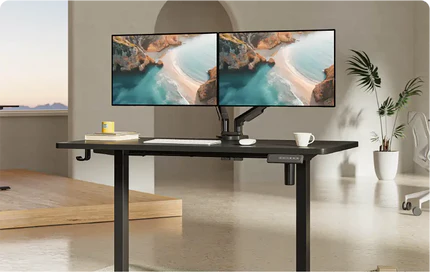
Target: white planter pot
{"points": [[386, 164]]}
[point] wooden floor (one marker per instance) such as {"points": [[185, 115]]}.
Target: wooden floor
{"points": [[38, 199]]}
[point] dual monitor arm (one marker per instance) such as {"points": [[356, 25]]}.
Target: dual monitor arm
{"points": [[237, 134], [239, 121]]}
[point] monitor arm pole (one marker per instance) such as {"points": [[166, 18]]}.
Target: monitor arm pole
{"points": [[237, 134], [223, 116], [247, 116]]}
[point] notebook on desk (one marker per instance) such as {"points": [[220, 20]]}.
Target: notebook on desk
{"points": [[116, 136]]}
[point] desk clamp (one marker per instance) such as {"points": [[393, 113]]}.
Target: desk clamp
{"points": [[87, 156], [290, 162]]}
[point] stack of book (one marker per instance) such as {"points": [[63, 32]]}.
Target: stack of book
{"points": [[116, 136]]}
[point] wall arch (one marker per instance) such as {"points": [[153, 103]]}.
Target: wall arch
{"points": [[186, 17], [192, 16]]}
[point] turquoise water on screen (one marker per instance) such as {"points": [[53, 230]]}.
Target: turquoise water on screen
{"points": [[151, 88], [255, 88], [267, 87], [154, 87], [312, 54]]}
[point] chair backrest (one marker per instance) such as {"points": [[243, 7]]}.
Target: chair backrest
{"points": [[419, 124]]}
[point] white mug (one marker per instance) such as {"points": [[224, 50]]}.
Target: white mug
{"points": [[303, 139]]}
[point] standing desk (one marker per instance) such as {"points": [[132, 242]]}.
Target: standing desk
{"points": [[261, 150]]}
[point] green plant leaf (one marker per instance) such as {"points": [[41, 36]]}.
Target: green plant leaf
{"points": [[356, 67], [399, 132], [387, 108], [412, 88], [362, 67]]}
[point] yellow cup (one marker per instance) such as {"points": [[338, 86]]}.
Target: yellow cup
{"points": [[108, 127]]}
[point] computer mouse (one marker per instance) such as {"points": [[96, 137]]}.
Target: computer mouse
{"points": [[247, 141]]}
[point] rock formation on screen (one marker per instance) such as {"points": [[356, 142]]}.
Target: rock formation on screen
{"points": [[237, 50], [207, 93], [163, 42], [324, 92], [128, 52], [236, 54], [271, 61], [275, 39]]}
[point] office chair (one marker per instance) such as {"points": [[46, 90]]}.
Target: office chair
{"points": [[420, 129]]}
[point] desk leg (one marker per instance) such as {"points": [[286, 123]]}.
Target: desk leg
{"points": [[303, 205], [121, 211]]}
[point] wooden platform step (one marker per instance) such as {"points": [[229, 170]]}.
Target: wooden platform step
{"points": [[38, 199]]}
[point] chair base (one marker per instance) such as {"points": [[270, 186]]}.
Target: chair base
{"points": [[423, 197]]}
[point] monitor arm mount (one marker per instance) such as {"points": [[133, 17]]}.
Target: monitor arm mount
{"points": [[223, 117], [239, 121]]}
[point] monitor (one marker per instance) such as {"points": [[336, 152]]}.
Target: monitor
{"points": [[164, 69], [277, 68]]}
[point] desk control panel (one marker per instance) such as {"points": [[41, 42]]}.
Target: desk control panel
{"points": [[290, 162], [282, 158]]}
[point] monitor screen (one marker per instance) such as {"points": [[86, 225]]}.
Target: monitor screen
{"points": [[285, 68], [164, 69]]}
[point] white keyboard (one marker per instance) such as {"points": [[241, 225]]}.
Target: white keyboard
{"points": [[182, 141]]}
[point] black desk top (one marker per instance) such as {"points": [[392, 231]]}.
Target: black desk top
{"points": [[261, 149]]}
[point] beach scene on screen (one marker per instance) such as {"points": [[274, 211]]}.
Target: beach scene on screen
{"points": [[276, 68], [164, 69]]}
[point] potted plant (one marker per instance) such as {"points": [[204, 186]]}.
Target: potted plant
{"points": [[385, 159]]}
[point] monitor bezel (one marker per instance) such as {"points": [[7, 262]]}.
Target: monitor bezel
{"points": [[161, 105], [282, 106]]}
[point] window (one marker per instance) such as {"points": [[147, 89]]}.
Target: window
{"points": [[33, 55]]}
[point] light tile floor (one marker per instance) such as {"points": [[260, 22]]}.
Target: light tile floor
{"points": [[356, 225]]}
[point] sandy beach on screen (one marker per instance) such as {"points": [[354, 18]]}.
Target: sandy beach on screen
{"points": [[188, 86], [302, 87]]}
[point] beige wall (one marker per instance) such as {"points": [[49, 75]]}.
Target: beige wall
{"points": [[385, 30], [28, 142], [91, 25], [421, 61]]}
